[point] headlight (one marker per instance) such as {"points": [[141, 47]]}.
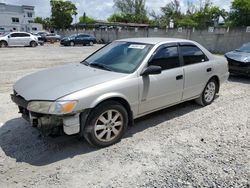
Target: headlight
{"points": [[57, 108]]}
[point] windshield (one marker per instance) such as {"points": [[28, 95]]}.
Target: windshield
{"points": [[244, 48], [122, 57], [72, 36], [6, 34]]}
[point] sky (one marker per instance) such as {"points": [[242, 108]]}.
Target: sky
{"points": [[102, 9]]}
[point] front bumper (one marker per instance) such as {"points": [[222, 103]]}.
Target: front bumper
{"points": [[48, 123], [237, 67], [64, 43]]}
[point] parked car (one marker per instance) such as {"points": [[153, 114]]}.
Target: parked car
{"points": [[239, 60], [18, 39], [52, 37], [78, 39], [39, 38], [99, 97]]}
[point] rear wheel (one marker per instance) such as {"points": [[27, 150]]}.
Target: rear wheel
{"points": [[208, 94], [91, 43], [3, 44], [72, 43], [106, 124], [33, 44]]}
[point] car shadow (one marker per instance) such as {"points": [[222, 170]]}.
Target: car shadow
{"points": [[239, 78], [24, 143]]}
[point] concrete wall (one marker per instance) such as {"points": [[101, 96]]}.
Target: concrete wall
{"points": [[219, 41]]}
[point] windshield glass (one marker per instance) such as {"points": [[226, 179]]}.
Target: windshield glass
{"points": [[72, 36], [244, 48], [122, 57], [6, 34]]}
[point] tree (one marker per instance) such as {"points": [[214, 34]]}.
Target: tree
{"points": [[86, 19], [171, 11], [39, 20], [47, 24], [240, 13], [130, 11], [62, 12]]}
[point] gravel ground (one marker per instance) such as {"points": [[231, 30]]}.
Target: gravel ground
{"points": [[182, 146]]}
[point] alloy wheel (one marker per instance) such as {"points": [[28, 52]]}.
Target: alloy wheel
{"points": [[209, 92], [108, 125]]}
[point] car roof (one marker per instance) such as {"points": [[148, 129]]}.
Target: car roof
{"points": [[19, 32], [154, 40]]}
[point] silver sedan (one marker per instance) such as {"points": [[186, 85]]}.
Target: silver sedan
{"points": [[129, 78]]}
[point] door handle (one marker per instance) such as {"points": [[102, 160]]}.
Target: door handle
{"points": [[209, 69], [179, 77]]}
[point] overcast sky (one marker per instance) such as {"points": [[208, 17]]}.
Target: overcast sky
{"points": [[102, 9]]}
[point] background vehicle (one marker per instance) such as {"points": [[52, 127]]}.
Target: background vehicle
{"points": [[78, 39], [124, 80], [18, 39], [52, 37], [239, 60]]}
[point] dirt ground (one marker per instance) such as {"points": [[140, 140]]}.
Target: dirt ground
{"points": [[182, 146]]}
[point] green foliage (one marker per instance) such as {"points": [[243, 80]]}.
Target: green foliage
{"points": [[240, 13], [171, 11], [86, 19], [187, 22], [47, 24], [39, 20], [128, 18], [62, 12], [200, 17], [132, 11]]}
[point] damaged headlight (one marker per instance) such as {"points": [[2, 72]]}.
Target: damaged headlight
{"points": [[56, 108]]}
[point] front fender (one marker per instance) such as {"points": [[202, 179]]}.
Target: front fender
{"points": [[107, 96]]}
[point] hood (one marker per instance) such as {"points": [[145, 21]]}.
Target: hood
{"points": [[55, 83], [238, 56]]}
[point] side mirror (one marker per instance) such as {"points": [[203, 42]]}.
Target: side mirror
{"points": [[152, 69], [9, 36]]}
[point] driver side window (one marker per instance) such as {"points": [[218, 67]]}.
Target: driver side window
{"points": [[166, 58]]}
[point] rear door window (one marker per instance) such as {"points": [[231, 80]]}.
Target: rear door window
{"points": [[23, 35], [192, 54]]}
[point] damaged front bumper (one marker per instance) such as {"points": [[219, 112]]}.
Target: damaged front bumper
{"points": [[46, 123]]}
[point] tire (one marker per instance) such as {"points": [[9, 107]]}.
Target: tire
{"points": [[106, 124], [33, 44], [72, 43], [91, 43], [209, 93], [3, 44]]}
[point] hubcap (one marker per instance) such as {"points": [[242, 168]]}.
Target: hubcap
{"points": [[108, 125], [209, 92]]}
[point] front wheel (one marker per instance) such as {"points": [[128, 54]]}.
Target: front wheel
{"points": [[3, 44], [106, 124], [91, 43], [208, 94], [72, 43]]}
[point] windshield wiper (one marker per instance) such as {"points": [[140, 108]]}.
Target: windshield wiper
{"points": [[99, 65], [85, 63]]}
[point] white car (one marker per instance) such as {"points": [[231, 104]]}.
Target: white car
{"points": [[129, 78], [18, 39]]}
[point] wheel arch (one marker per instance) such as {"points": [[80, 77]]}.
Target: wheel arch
{"points": [[117, 98], [217, 79], [4, 41], [33, 41]]}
